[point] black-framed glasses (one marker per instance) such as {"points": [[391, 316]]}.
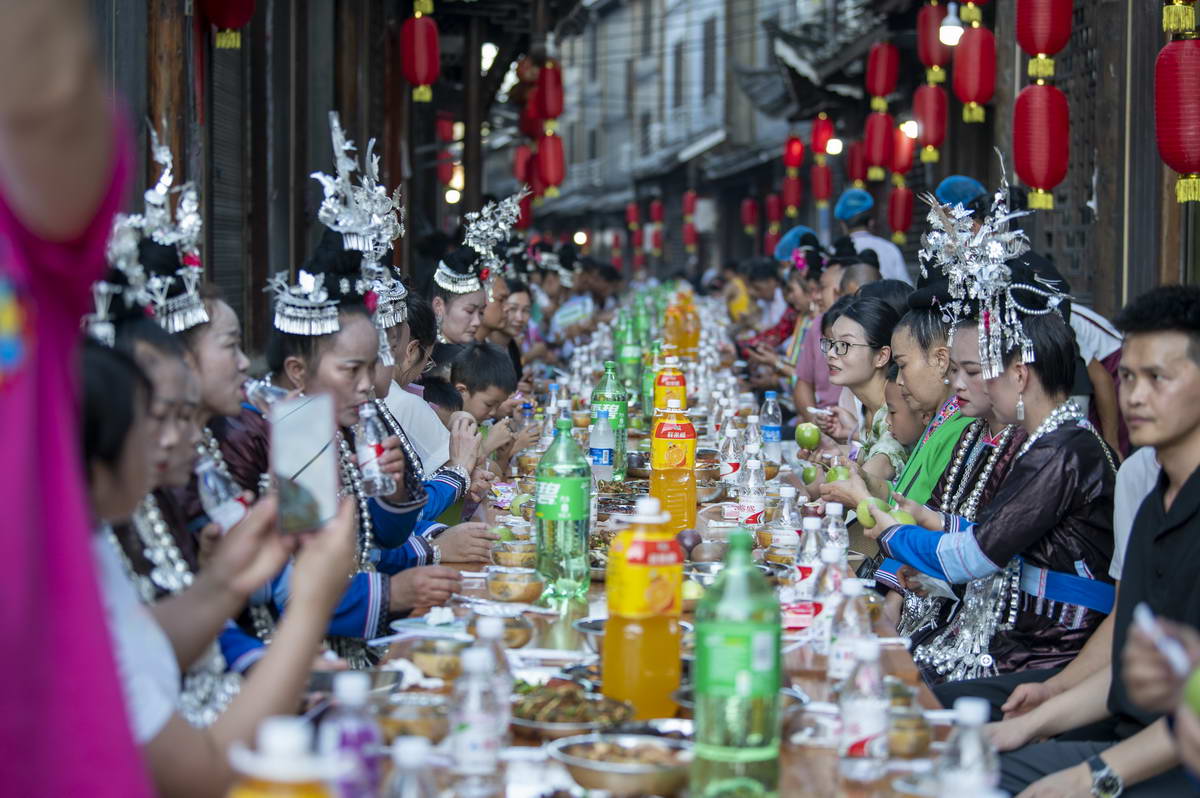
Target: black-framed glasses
{"points": [[839, 348]]}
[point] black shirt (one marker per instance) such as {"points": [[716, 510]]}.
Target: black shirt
{"points": [[514, 352], [1162, 568]]}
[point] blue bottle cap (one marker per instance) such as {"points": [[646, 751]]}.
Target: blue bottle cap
{"points": [[601, 414], [771, 394]]}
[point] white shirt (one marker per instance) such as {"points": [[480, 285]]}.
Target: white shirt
{"points": [[1136, 477], [1097, 338], [145, 660], [891, 260], [426, 432], [775, 309]]}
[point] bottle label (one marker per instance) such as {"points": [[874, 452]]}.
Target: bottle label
{"points": [[673, 446], [476, 752], [731, 511], [800, 614], [368, 459], [618, 413], [772, 434], [646, 577], [730, 470], [601, 457], [841, 657], [227, 514], [737, 660], [562, 498], [668, 387], [753, 510], [864, 728]]}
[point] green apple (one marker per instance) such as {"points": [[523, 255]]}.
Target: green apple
{"points": [[864, 511], [1191, 691], [903, 517], [809, 474], [692, 590], [504, 533], [837, 474], [808, 435]]}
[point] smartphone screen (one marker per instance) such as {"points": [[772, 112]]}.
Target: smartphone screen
{"points": [[304, 462]]}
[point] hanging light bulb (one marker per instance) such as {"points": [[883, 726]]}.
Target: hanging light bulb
{"points": [[910, 128], [833, 147], [951, 29]]}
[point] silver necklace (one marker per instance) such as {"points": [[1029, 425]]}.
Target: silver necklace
{"points": [[352, 482], [410, 454]]}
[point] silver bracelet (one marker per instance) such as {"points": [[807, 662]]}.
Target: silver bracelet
{"points": [[463, 474]]}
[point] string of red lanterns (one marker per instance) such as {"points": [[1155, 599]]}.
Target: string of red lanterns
{"points": [[774, 208], [1041, 114], [883, 71], [690, 235], [930, 107], [975, 70], [420, 51], [750, 216], [934, 55], [856, 164], [1043, 28]]}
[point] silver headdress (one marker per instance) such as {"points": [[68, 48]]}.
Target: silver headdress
{"points": [[99, 324], [456, 283], [304, 308], [485, 230], [185, 309], [981, 282]]}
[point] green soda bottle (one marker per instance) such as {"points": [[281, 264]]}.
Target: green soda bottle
{"points": [[649, 371], [563, 516], [737, 673], [629, 354], [610, 395]]}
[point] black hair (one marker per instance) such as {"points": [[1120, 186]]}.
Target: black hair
{"points": [[834, 313], [863, 219], [133, 325], [893, 371], [1168, 308], [163, 260], [926, 317], [438, 391], [463, 261], [893, 292], [762, 269], [1054, 350], [422, 323], [517, 286], [608, 273], [860, 273], [114, 389], [877, 318], [480, 366]]}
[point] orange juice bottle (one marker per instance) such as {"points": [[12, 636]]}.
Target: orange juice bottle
{"points": [[284, 765], [641, 637], [674, 332], [669, 383], [673, 466], [690, 346]]}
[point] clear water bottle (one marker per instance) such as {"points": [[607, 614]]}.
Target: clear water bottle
{"points": [[526, 417], [602, 447], [261, 393], [752, 434], [863, 747], [808, 559], [220, 496], [369, 435], [349, 730], [731, 456], [969, 760], [788, 521], [836, 533], [489, 631], [752, 498], [851, 623], [828, 597], [411, 773], [771, 418], [476, 735], [552, 402]]}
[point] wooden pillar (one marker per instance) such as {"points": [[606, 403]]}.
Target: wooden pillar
{"points": [[166, 52], [473, 117]]}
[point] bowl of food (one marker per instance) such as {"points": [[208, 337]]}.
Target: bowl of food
{"points": [[513, 584], [592, 630], [415, 714], [582, 419], [561, 710], [770, 470], [438, 658], [707, 472], [527, 462], [518, 630], [709, 490], [515, 553], [708, 456], [781, 555], [625, 764], [706, 572]]}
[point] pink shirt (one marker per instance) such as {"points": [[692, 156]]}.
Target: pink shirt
{"points": [[813, 369], [63, 726]]}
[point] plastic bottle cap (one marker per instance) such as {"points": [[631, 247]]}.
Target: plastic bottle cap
{"points": [[489, 627], [554, 386], [609, 365], [752, 420], [770, 395], [351, 688], [754, 464], [852, 587], [601, 414], [526, 406], [647, 505], [972, 711], [282, 736], [831, 553], [730, 432], [867, 648], [672, 360], [674, 404], [787, 491], [834, 508], [410, 752], [477, 660], [810, 524]]}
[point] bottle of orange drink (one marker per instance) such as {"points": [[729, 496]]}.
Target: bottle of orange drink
{"points": [[690, 344], [674, 330], [673, 465], [641, 636], [670, 383]]}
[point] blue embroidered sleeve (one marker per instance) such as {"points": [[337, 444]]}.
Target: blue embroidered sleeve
{"points": [[954, 556], [360, 613], [443, 490], [415, 552], [240, 649], [392, 524]]}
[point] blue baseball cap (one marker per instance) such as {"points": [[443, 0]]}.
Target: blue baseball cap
{"points": [[852, 202], [959, 190], [791, 241]]}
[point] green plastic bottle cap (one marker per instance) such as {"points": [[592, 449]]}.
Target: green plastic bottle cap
{"points": [[563, 424], [609, 365]]}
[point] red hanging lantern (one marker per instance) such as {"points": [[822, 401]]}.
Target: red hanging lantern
{"points": [[770, 241], [632, 215], [639, 260], [793, 194], [793, 155], [228, 17], [521, 160], [900, 212], [444, 127], [1043, 28], [774, 208], [445, 167], [750, 216], [689, 205], [971, 13], [420, 55], [1179, 17], [1041, 141], [690, 237], [656, 241], [529, 122], [856, 164], [930, 50], [526, 218], [902, 155], [550, 163], [528, 69], [883, 70], [821, 178], [930, 109], [536, 184], [975, 72], [879, 144], [1177, 114], [656, 211], [550, 94], [822, 132], [637, 238]]}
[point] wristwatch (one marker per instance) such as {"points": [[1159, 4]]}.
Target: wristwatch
{"points": [[1106, 783], [436, 555]]}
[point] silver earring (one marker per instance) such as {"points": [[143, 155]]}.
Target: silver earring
{"points": [[1020, 407], [945, 380]]}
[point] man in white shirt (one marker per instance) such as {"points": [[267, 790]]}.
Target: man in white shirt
{"points": [[855, 210], [1100, 349]]}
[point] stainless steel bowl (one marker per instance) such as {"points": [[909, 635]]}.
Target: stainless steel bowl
{"points": [[592, 630], [637, 465], [624, 779], [541, 730], [709, 490], [706, 572], [381, 681]]}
